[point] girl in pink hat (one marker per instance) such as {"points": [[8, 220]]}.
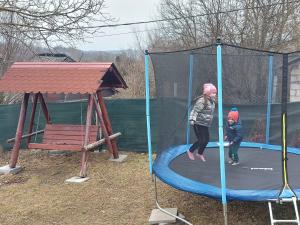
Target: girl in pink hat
{"points": [[201, 118]]}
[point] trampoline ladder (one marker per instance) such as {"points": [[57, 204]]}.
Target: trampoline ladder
{"points": [[274, 221]]}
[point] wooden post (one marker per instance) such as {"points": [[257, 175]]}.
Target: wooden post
{"points": [[44, 108], [32, 118], [108, 124], [15, 151], [105, 133], [85, 153]]}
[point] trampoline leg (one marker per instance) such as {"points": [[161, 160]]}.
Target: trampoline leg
{"points": [[273, 221], [165, 211], [271, 213], [296, 209], [225, 214]]}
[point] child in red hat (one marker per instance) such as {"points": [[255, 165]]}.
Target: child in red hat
{"points": [[201, 118], [233, 135]]}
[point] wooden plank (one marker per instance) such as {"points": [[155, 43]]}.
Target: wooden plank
{"points": [[67, 133], [68, 127], [64, 142], [54, 147], [68, 137]]}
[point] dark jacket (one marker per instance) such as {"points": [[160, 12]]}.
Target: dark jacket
{"points": [[202, 113], [234, 132]]}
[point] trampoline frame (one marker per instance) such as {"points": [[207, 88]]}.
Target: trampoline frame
{"points": [[162, 170]]}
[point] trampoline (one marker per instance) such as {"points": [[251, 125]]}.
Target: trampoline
{"points": [[256, 178], [264, 86]]}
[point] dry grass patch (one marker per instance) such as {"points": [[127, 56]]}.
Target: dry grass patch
{"points": [[116, 194]]}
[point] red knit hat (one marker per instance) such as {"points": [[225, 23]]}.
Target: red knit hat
{"points": [[233, 114], [209, 89]]}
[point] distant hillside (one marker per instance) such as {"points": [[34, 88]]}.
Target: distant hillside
{"points": [[91, 56]]}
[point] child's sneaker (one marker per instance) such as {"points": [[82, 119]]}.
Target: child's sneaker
{"points": [[190, 155], [201, 157], [230, 161], [235, 163]]}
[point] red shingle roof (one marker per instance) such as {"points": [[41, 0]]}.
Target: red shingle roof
{"points": [[33, 77]]}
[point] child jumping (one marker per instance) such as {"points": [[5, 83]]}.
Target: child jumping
{"points": [[201, 118], [233, 135]]}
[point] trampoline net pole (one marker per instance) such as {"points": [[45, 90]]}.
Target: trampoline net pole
{"points": [[147, 84], [270, 87], [191, 65], [220, 114], [284, 99]]}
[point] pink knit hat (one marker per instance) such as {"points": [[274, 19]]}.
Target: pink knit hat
{"points": [[209, 89]]}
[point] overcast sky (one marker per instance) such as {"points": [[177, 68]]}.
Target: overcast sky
{"points": [[125, 11]]}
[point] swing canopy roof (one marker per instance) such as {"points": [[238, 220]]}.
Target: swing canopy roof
{"points": [[60, 77]]}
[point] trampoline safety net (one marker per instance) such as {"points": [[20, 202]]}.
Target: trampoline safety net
{"points": [[252, 82], [261, 84]]}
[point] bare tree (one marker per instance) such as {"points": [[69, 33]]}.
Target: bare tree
{"points": [[52, 21], [24, 25], [264, 24], [131, 66]]}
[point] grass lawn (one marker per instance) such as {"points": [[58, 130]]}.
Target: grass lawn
{"points": [[116, 194]]}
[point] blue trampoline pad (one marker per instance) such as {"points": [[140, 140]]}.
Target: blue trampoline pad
{"points": [[258, 177]]}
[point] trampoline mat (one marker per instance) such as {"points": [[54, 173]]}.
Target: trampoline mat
{"points": [[259, 169]]}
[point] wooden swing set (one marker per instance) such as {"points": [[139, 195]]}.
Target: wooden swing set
{"points": [[84, 78]]}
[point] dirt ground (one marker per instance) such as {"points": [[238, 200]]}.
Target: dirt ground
{"points": [[116, 194]]}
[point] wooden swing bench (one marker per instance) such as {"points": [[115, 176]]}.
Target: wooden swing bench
{"points": [[69, 137], [90, 79]]}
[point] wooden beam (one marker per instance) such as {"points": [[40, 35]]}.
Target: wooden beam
{"points": [[15, 151], [63, 147], [34, 103], [100, 142], [85, 153], [44, 108], [25, 136], [108, 125], [105, 133]]}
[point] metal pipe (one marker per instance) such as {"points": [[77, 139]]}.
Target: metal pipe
{"points": [[221, 135], [191, 66], [270, 88], [147, 85]]}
